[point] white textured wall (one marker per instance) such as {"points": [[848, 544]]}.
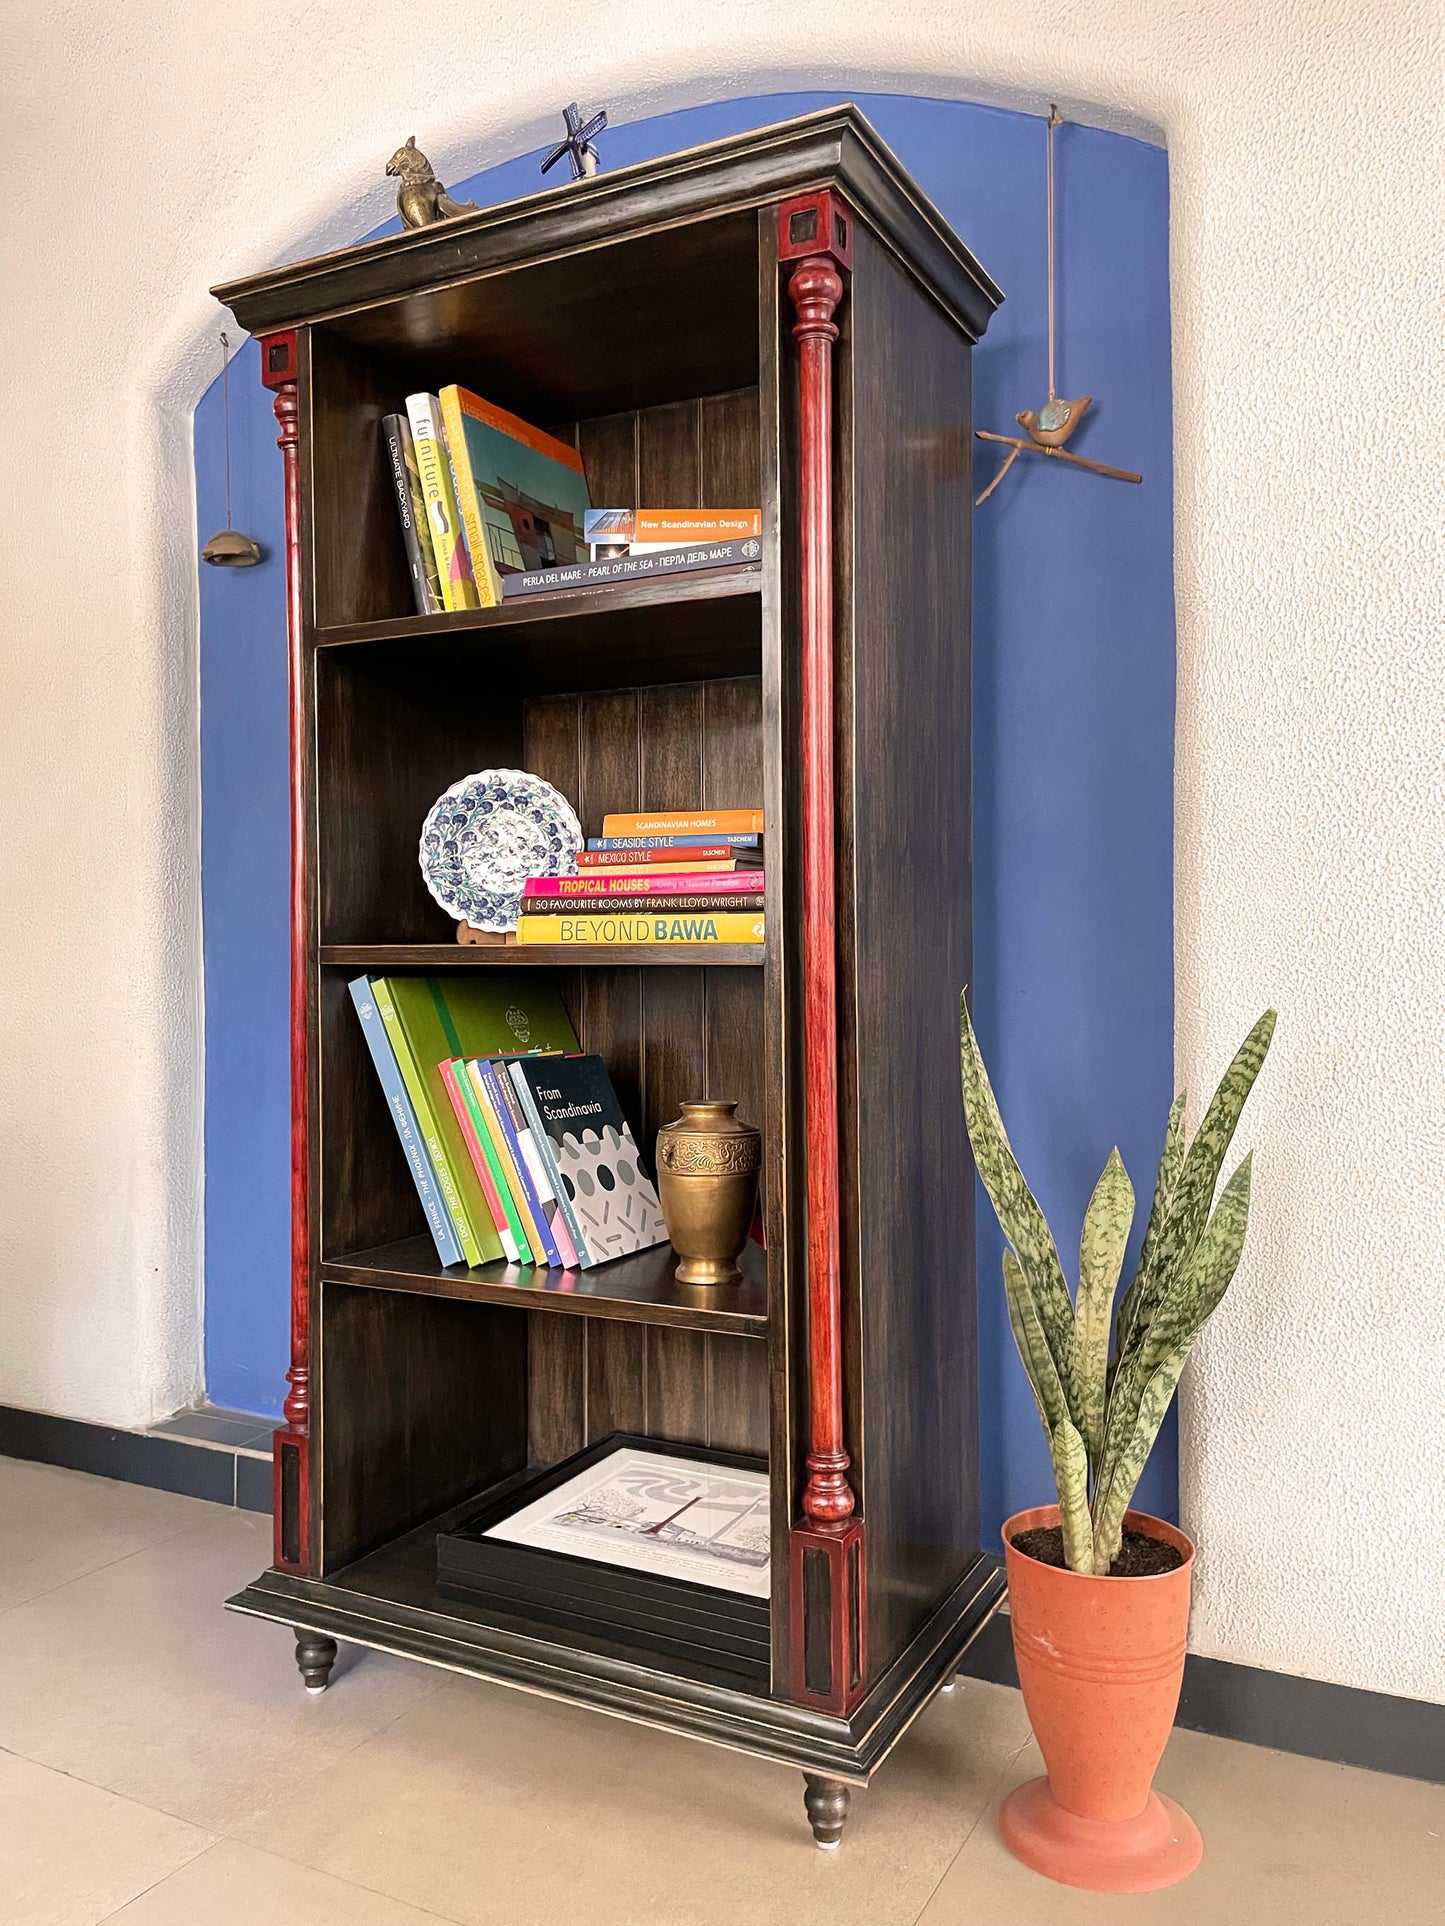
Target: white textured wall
{"points": [[150, 150]]}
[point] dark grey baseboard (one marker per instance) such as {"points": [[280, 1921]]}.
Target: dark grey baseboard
{"points": [[138, 1458], [1306, 1716]]}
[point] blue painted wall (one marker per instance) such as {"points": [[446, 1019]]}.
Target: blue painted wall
{"points": [[1073, 736]]}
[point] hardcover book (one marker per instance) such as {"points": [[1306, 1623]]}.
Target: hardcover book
{"points": [[682, 822], [656, 564], [712, 856], [740, 844], [640, 531], [429, 1019], [421, 563], [484, 1158], [608, 1196], [599, 886], [507, 1111], [555, 906], [448, 538], [403, 1115], [513, 1192], [522, 494], [644, 927]]}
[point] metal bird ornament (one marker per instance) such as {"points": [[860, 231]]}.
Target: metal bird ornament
{"points": [[421, 200], [1049, 427], [578, 146]]}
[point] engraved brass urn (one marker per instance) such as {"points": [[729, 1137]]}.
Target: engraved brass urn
{"points": [[707, 1177]]}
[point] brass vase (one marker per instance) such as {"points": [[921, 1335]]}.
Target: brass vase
{"points": [[707, 1178]]}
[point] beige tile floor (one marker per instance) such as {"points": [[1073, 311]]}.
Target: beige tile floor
{"points": [[161, 1766]]}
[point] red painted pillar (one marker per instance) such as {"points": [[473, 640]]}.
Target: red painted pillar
{"points": [[291, 1448], [826, 1551]]}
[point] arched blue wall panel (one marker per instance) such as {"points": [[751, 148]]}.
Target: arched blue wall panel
{"points": [[1073, 736]]}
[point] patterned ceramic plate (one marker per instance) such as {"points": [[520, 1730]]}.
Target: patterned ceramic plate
{"points": [[487, 835]]}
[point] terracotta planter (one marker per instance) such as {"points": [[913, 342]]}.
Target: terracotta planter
{"points": [[1101, 1661]]}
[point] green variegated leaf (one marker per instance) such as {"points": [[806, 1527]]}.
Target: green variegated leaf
{"points": [[1028, 1332], [1193, 1190], [1071, 1475], [1111, 1505], [1170, 1160], [1165, 1344], [1018, 1212], [1101, 1257]]}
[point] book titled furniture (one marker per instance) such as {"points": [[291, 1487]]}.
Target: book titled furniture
{"points": [[782, 318]]}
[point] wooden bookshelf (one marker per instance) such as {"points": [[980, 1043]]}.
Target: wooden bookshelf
{"points": [[779, 318]]}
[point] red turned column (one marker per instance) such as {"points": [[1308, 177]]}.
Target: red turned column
{"points": [[291, 1450], [826, 1548]]}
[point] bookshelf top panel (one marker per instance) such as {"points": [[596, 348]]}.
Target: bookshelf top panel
{"points": [[834, 147], [640, 1288]]}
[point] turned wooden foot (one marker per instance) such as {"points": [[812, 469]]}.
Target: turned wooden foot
{"points": [[315, 1656], [827, 1804]]}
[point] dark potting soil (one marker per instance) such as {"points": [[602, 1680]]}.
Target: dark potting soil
{"points": [[1139, 1556]]}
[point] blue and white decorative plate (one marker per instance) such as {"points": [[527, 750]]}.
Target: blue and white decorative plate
{"points": [[487, 835]]}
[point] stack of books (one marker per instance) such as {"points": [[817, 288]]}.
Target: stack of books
{"points": [[491, 507], [658, 877], [522, 1155]]}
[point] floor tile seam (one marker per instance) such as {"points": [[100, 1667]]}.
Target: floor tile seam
{"points": [[342, 1879], [135, 1898], [1003, 1773], [235, 1829], [211, 1835], [79, 1578]]}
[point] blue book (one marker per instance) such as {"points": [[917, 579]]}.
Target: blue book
{"points": [[504, 1102], [742, 842], [549, 1162], [404, 1117]]}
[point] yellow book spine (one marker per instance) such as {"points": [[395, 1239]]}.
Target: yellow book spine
{"points": [[485, 578], [649, 927], [458, 589]]}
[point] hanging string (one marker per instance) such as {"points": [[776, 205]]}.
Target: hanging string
{"points": [[1049, 222], [226, 415]]}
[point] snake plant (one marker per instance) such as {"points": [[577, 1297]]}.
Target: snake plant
{"points": [[1101, 1416]]}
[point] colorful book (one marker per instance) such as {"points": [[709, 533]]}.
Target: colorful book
{"points": [[741, 844], [478, 1145], [555, 906], [403, 1115], [448, 537], [411, 508], [710, 856], [682, 822], [598, 886], [507, 1111], [564, 1221], [537, 1170], [522, 494], [641, 531], [514, 1199], [590, 1147], [429, 1019], [637, 927], [657, 564]]}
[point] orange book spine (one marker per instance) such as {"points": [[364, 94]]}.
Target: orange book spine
{"points": [[718, 822]]}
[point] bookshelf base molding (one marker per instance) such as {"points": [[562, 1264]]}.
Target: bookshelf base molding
{"points": [[849, 1747]]}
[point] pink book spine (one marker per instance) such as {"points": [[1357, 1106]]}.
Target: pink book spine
{"points": [[596, 889], [448, 1074]]}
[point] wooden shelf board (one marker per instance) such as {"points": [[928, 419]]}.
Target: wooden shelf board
{"points": [[514, 956], [640, 1289], [677, 629]]}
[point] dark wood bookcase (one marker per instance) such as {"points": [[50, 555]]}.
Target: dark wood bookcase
{"points": [[778, 318]]}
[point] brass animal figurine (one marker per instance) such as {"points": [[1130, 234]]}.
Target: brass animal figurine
{"points": [[1054, 422], [421, 199]]}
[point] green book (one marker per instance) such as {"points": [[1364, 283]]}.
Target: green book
{"points": [[429, 1019]]}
